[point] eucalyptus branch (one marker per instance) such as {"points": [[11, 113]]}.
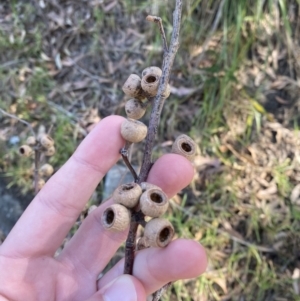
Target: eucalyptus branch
{"points": [[159, 100], [168, 59]]}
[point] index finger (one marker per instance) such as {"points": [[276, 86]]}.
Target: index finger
{"points": [[47, 220]]}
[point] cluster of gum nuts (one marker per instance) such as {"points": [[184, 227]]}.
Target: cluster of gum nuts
{"points": [[146, 198], [44, 144]]}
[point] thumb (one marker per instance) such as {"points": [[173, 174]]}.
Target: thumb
{"points": [[125, 288]]}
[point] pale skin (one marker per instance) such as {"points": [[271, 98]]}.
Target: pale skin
{"points": [[28, 269]]}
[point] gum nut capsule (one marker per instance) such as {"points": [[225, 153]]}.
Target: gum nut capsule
{"points": [[184, 146], [25, 150], [141, 244], [145, 186], [150, 84], [50, 151], [133, 131], [31, 140], [152, 69], [154, 202], [158, 232], [40, 184], [134, 109], [127, 195], [46, 170], [132, 87], [167, 92], [46, 141], [116, 218]]}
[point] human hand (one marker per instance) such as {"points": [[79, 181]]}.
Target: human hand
{"points": [[28, 269]]}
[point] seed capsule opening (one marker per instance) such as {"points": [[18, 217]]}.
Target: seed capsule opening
{"points": [[165, 234], [22, 150], [150, 79], [156, 198], [109, 217], [186, 147]]}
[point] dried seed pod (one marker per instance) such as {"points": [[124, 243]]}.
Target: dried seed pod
{"points": [[40, 184], [116, 218], [50, 151], [184, 146], [153, 70], [158, 232], [167, 92], [150, 84], [127, 194], [31, 140], [25, 150], [46, 170], [133, 131], [132, 87], [46, 141], [145, 186], [141, 244], [134, 109], [154, 202]]}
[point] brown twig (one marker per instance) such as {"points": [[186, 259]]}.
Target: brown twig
{"points": [[168, 59], [37, 157], [158, 21], [125, 154], [19, 119], [158, 294]]}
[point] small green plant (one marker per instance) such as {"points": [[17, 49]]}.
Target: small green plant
{"points": [[38, 146]]}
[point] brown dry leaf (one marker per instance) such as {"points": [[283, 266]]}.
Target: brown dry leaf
{"points": [[71, 86], [281, 100], [228, 228], [201, 161], [110, 6], [295, 194], [267, 193], [58, 19], [280, 83], [183, 91], [296, 280]]}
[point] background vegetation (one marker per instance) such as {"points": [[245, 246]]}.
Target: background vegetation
{"points": [[235, 90]]}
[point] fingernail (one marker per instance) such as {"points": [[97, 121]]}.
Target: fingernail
{"points": [[121, 289]]}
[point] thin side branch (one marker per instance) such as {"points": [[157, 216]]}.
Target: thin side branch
{"points": [[125, 155], [158, 21], [37, 157], [158, 294], [19, 119]]}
